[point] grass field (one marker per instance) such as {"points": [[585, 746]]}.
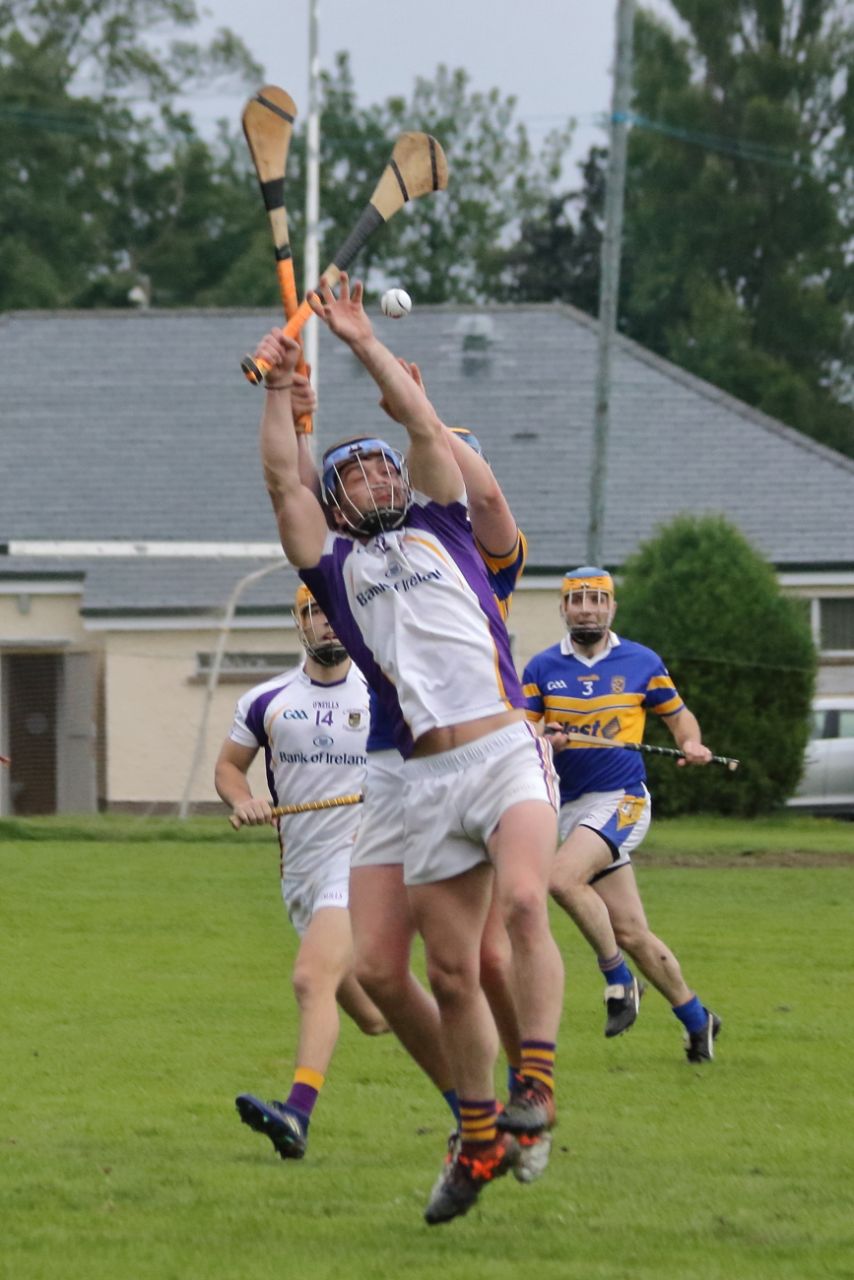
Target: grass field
{"points": [[145, 982]]}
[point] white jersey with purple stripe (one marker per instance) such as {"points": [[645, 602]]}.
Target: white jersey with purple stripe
{"points": [[314, 738], [504, 572], [416, 611]]}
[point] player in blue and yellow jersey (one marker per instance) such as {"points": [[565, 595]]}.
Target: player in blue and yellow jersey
{"points": [[594, 682]]}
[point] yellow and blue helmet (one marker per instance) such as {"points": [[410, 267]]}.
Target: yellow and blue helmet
{"points": [[469, 437], [587, 577]]}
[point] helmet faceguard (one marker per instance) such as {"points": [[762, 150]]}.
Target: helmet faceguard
{"points": [[326, 653], [589, 593], [379, 517]]}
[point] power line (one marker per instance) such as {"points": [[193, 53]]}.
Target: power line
{"points": [[74, 121]]}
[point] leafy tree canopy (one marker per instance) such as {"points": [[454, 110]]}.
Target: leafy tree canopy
{"points": [[741, 654], [739, 215]]}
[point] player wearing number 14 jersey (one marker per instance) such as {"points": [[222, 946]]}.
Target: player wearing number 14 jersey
{"points": [[312, 724], [594, 682]]}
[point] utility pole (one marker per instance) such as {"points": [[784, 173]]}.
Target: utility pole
{"points": [[609, 281], [312, 188]]}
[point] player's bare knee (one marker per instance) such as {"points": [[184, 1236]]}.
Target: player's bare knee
{"points": [[496, 965], [452, 983], [372, 1024], [310, 985], [567, 878], [631, 935], [524, 911], [381, 977]]}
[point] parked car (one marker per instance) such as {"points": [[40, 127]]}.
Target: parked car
{"points": [[827, 785]]}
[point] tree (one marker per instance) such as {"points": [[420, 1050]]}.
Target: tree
{"points": [[97, 189], [553, 257], [741, 654], [739, 211], [445, 248]]}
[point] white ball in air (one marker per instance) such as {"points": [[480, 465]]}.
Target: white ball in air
{"points": [[396, 303]]}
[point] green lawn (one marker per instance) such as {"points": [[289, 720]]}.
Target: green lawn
{"points": [[145, 983]]}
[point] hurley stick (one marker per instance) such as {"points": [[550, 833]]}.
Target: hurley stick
{"points": [[268, 122], [595, 740], [282, 810], [417, 167]]}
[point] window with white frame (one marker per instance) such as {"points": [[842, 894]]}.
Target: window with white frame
{"points": [[836, 624]]}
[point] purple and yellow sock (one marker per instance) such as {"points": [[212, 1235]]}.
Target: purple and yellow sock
{"points": [[478, 1127], [538, 1062], [304, 1091], [514, 1077]]}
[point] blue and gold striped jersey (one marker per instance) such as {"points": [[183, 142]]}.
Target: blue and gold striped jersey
{"points": [[608, 696], [505, 571]]}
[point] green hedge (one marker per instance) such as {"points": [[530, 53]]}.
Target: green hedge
{"points": [[742, 657]]}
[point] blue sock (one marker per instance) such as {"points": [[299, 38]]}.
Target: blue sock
{"points": [[691, 1014], [616, 971], [450, 1096], [513, 1078]]}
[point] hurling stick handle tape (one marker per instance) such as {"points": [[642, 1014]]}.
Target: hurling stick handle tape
{"points": [[290, 302], [336, 802]]}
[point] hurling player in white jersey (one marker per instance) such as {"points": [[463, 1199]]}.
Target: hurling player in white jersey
{"points": [[312, 724], [410, 599], [381, 920]]}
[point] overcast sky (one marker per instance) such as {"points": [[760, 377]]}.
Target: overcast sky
{"points": [[554, 56]]}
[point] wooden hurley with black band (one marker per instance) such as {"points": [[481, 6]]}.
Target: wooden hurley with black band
{"points": [[417, 167], [268, 122]]}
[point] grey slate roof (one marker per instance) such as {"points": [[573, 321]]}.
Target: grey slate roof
{"points": [[138, 425], [144, 584]]}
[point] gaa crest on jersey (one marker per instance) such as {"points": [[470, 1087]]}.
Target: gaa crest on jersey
{"points": [[355, 719], [618, 684]]}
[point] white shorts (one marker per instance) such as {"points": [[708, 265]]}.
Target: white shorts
{"points": [[327, 886], [620, 818], [453, 801], [381, 835]]}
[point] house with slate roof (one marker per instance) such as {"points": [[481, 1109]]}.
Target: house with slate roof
{"points": [[133, 516]]}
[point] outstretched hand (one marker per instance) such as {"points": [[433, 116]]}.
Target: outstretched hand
{"points": [[344, 315]]}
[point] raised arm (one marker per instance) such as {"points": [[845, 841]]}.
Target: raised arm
{"points": [[432, 466], [492, 521], [299, 515]]}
